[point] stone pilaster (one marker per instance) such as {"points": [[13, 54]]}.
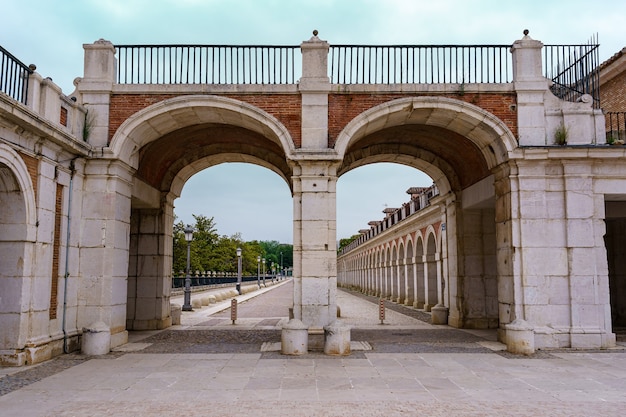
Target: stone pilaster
{"points": [[150, 269], [104, 247], [314, 87], [531, 87], [94, 89]]}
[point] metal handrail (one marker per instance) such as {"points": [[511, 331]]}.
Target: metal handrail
{"points": [[420, 64], [206, 64], [14, 76]]}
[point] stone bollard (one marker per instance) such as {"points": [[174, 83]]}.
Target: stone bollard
{"points": [[205, 301], [520, 337], [337, 339], [175, 312], [196, 303], [294, 339], [96, 339], [439, 314], [212, 299]]}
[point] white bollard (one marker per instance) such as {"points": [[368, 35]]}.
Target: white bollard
{"points": [[337, 339], [294, 338], [96, 339], [175, 312]]}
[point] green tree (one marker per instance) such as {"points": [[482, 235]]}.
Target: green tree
{"points": [[346, 241], [212, 252]]}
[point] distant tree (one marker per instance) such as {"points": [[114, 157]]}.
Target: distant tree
{"points": [[346, 241], [212, 252]]}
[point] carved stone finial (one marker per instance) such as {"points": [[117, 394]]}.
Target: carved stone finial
{"points": [[32, 67], [526, 32], [315, 32]]}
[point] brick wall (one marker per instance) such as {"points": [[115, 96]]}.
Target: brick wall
{"points": [[56, 249], [613, 94], [287, 108], [32, 165]]}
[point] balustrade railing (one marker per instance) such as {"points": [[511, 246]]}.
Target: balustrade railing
{"points": [[207, 64], [420, 64], [13, 76]]}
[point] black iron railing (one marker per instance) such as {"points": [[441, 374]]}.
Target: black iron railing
{"points": [[13, 76], [615, 126], [421, 64], [574, 70], [207, 64], [203, 280]]}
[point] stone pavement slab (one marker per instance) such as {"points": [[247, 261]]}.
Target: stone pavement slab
{"points": [[414, 368]]}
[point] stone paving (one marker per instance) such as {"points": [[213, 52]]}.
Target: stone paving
{"points": [[209, 367]]}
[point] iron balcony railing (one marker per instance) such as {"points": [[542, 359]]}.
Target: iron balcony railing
{"points": [[574, 70], [207, 64], [13, 76], [615, 126], [420, 64]]}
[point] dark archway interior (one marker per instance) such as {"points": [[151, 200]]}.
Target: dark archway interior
{"points": [[161, 160], [458, 157]]}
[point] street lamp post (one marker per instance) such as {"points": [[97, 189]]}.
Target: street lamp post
{"points": [[187, 293], [272, 271], [239, 270], [258, 271], [263, 260]]}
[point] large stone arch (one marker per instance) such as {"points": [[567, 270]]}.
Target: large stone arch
{"points": [[463, 148], [491, 136], [166, 144], [169, 115], [18, 227]]}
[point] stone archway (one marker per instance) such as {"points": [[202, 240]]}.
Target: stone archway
{"points": [[17, 232], [165, 144], [462, 148]]}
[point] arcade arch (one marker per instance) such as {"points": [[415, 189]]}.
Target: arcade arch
{"points": [[166, 144], [463, 149], [17, 234]]}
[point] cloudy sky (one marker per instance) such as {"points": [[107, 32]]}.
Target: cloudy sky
{"points": [[248, 199]]}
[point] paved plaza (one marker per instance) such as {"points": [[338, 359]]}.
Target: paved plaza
{"points": [[209, 367]]}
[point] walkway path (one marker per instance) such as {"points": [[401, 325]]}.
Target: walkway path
{"points": [[208, 366]]}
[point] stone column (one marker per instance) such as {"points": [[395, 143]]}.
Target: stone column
{"points": [[104, 247], [399, 293], [415, 283], [315, 254]]}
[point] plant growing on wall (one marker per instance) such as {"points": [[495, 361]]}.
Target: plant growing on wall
{"points": [[560, 135], [88, 125]]}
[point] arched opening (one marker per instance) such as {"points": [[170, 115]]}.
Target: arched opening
{"points": [[615, 241], [16, 234], [195, 133], [430, 265], [410, 274], [462, 148]]}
